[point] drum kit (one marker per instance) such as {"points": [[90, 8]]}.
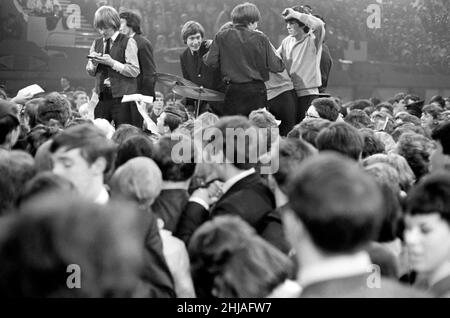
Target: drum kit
{"points": [[182, 87]]}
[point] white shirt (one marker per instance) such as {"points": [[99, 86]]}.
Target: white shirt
{"points": [[335, 267], [103, 197]]}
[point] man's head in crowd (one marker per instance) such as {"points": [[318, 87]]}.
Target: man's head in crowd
{"points": [[134, 146], [342, 138], [175, 164], [358, 119], [308, 129], [440, 157], [30, 112], [9, 125], [80, 98], [171, 117], [335, 209], [192, 34], [325, 108], [382, 121], [427, 225], [385, 107], [125, 131], [83, 155], [130, 23], [294, 26], [107, 21], [431, 116], [438, 101], [372, 144], [268, 131], [65, 82], [246, 14], [56, 107]]}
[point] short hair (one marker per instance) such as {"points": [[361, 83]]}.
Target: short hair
{"points": [[47, 235], [372, 144], [138, 179], [228, 259], [384, 173], [416, 149], [404, 117], [438, 99], [39, 135], [434, 110], [191, 28], [135, 146], [343, 138], [442, 134], [245, 14], [431, 195], [308, 129], [386, 105], [30, 110], [358, 119], [359, 104], [327, 108], [91, 141], [291, 153], [133, 21], [407, 128], [55, 107], [338, 203], [239, 155], [125, 131], [106, 17], [175, 169], [175, 116]]}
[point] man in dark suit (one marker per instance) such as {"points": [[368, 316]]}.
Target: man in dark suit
{"points": [[336, 209], [194, 69], [130, 25], [244, 192]]}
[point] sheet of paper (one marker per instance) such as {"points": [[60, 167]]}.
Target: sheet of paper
{"points": [[31, 90], [137, 98]]}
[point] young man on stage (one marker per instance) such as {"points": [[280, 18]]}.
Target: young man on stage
{"points": [[113, 60], [245, 58]]}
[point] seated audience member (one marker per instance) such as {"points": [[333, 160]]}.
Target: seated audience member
{"points": [[140, 180], [176, 174], [372, 144], [440, 157], [342, 138], [170, 118], [427, 232], [123, 132], [39, 135], [44, 183], [387, 140], [308, 129], [134, 146], [358, 119], [55, 107], [244, 192], [336, 210], [40, 245], [229, 260], [9, 125], [268, 131], [431, 116], [288, 156], [416, 149], [83, 155], [16, 168], [325, 108]]}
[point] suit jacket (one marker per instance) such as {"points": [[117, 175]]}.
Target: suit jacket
{"points": [[169, 206], [249, 198], [272, 230], [357, 287], [146, 78]]}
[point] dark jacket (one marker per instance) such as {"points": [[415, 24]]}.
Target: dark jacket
{"points": [[169, 206], [326, 62], [120, 85], [146, 78], [249, 198]]}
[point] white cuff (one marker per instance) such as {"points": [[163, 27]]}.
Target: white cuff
{"points": [[118, 67], [199, 201]]}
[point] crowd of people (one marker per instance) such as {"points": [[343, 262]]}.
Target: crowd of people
{"points": [[240, 199]]}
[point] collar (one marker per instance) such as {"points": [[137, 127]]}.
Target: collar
{"points": [[113, 37], [232, 181], [170, 185], [334, 268], [103, 197]]}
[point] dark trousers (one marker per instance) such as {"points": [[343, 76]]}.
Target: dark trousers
{"points": [[243, 98], [303, 104], [136, 118], [113, 110], [284, 108]]}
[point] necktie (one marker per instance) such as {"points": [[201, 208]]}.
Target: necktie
{"points": [[108, 46]]}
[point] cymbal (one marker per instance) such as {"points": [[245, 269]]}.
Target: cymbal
{"points": [[172, 80], [199, 93]]}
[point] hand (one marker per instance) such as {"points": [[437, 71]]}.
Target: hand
{"points": [[105, 59], [208, 44], [94, 61], [141, 107], [215, 191], [202, 194], [22, 99]]}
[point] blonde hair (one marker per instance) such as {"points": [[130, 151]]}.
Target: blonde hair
{"points": [[107, 17]]}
